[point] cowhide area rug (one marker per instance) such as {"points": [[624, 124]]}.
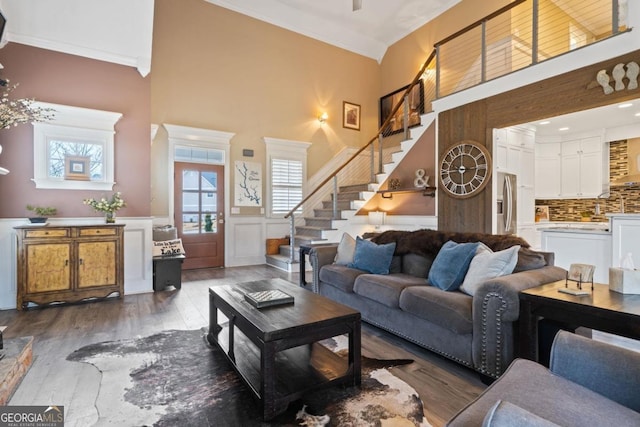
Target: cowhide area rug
{"points": [[175, 378]]}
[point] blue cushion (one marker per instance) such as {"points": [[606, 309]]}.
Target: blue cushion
{"points": [[451, 264], [371, 257]]}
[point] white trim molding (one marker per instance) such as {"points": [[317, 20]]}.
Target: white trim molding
{"points": [[80, 125], [204, 138], [288, 150], [138, 265]]}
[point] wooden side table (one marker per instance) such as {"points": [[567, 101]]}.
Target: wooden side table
{"points": [[167, 271], [304, 250], [603, 310]]}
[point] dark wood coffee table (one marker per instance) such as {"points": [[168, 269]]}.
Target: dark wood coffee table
{"points": [[603, 310], [275, 350]]}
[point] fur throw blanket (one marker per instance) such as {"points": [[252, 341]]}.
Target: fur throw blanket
{"points": [[428, 242]]}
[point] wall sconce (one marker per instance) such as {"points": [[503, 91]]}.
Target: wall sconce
{"points": [[376, 218], [429, 74], [322, 118]]}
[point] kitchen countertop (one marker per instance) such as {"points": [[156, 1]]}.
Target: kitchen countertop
{"points": [[575, 227], [601, 231]]}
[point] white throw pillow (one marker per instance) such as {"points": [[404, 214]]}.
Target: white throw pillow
{"points": [[487, 264], [346, 250]]}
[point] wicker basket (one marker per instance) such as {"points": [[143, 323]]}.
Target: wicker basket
{"points": [[273, 245]]}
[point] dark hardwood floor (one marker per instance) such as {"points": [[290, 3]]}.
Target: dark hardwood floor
{"points": [[444, 386]]}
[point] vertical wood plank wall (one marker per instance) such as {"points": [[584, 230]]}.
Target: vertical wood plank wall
{"points": [[563, 94]]}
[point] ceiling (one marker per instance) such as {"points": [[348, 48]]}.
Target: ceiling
{"points": [[99, 29], [368, 31], [611, 118], [118, 31]]}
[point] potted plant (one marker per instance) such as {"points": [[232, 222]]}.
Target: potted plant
{"points": [[42, 213]]}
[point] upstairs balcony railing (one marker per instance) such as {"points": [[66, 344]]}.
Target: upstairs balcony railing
{"points": [[519, 35]]}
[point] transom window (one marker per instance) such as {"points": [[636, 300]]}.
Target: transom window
{"points": [[75, 150]]}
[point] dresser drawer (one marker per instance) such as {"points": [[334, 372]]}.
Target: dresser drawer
{"points": [[46, 233], [102, 231]]}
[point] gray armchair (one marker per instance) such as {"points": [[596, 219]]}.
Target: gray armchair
{"points": [[589, 383]]}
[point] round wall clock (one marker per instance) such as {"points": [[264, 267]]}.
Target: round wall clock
{"points": [[465, 169]]}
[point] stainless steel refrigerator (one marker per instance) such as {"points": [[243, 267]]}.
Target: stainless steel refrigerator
{"points": [[507, 202]]}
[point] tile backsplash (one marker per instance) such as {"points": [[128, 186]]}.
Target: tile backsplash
{"points": [[569, 209]]}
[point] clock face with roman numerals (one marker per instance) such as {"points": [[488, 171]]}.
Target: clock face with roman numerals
{"points": [[465, 169]]}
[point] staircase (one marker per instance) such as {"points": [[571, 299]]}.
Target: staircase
{"points": [[322, 227]]}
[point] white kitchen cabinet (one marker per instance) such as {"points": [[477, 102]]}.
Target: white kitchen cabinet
{"points": [[528, 233], [500, 149], [547, 170], [625, 229], [571, 169], [514, 150], [582, 168], [526, 205], [574, 246], [526, 177]]}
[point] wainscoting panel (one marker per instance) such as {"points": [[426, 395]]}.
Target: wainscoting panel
{"points": [[138, 268], [246, 241], [138, 264]]}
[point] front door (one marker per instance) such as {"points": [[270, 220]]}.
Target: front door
{"points": [[199, 213]]}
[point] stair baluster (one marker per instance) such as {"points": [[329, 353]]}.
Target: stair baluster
{"points": [[335, 197], [292, 238]]}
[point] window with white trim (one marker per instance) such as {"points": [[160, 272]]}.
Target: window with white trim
{"points": [[286, 185], [287, 168], [75, 150]]}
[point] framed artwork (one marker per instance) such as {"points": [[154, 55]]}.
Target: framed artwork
{"points": [[416, 108], [248, 184], [542, 213], [77, 168], [350, 115]]}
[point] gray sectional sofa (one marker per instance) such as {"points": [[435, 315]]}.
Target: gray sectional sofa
{"points": [[477, 331]]}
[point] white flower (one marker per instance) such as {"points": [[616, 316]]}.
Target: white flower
{"points": [[103, 205], [18, 111]]}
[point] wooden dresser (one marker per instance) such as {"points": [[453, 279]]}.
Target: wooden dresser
{"points": [[69, 263]]}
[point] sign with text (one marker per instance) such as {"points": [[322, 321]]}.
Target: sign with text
{"points": [[168, 248], [32, 416]]}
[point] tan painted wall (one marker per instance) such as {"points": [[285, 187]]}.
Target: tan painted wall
{"points": [[213, 68], [404, 59]]}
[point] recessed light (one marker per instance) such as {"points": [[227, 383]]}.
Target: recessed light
{"points": [[564, 128], [546, 122], [627, 105], [637, 114]]}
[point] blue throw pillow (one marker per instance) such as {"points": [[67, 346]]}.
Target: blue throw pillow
{"points": [[451, 264], [371, 257]]}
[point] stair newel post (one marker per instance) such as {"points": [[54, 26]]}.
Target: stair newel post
{"points": [[405, 115], [380, 152], [292, 238], [372, 163], [335, 197]]}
